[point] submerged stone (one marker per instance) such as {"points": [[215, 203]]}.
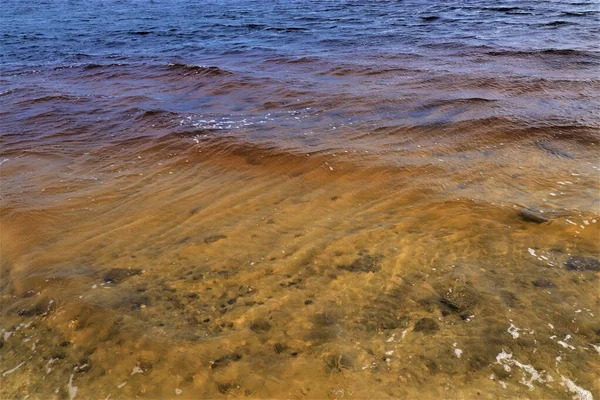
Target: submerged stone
{"points": [[118, 275], [462, 299], [337, 362], [366, 263], [530, 215], [225, 360], [325, 318], [225, 387], [576, 263], [195, 210], [426, 325], [543, 283], [509, 298], [214, 238], [40, 307], [260, 326], [279, 348]]}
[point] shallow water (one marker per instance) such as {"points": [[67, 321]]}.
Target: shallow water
{"points": [[290, 200]]}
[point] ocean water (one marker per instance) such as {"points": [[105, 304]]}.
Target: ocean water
{"points": [[299, 199]]}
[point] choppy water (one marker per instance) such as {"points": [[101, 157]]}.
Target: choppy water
{"points": [[299, 199]]}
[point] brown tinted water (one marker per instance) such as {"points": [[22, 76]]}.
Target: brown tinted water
{"points": [[223, 269], [271, 223]]}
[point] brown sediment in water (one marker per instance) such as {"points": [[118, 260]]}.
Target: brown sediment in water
{"points": [[215, 268]]}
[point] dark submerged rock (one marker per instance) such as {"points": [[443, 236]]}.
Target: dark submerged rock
{"points": [[225, 387], [337, 362], [118, 275], [225, 360], [364, 264], [41, 307], [461, 300], [195, 210], [509, 298], [214, 238], [426, 325], [279, 348], [385, 320], [532, 216], [325, 318], [543, 283], [260, 326], [184, 240], [576, 263]]}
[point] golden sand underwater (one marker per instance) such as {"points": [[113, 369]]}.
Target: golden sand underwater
{"points": [[190, 268]]}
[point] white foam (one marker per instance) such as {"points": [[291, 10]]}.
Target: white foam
{"points": [[564, 343], [10, 371], [514, 331], [580, 393], [506, 359], [72, 389], [49, 363]]}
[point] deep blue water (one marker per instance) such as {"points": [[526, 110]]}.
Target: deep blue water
{"points": [[407, 63], [54, 32]]}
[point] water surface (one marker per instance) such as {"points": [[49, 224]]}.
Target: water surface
{"points": [[299, 200]]}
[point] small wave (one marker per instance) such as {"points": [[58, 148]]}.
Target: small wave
{"points": [[141, 114], [255, 26], [10, 91], [469, 134], [430, 18], [96, 66], [88, 66], [362, 71], [292, 60], [558, 52], [560, 23], [460, 101], [504, 9], [288, 29], [198, 69], [52, 98], [579, 13]]}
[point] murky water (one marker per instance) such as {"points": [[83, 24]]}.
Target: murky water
{"points": [[291, 200]]}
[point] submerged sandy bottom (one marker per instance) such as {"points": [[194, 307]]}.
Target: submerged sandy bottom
{"points": [[241, 274]]}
